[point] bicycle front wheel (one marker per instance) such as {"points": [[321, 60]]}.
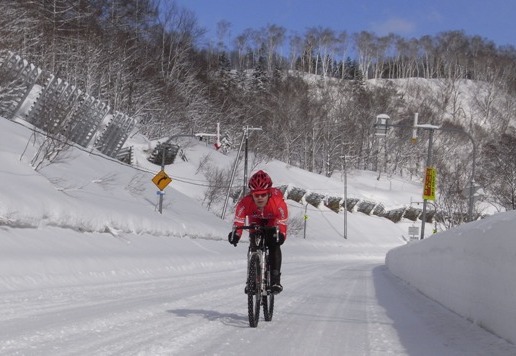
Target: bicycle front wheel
{"points": [[254, 293]]}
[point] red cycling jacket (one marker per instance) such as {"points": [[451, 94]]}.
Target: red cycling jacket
{"points": [[275, 213]]}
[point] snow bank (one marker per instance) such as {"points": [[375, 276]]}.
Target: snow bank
{"points": [[470, 270]]}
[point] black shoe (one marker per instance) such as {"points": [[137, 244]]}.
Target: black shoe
{"points": [[245, 289], [276, 288], [275, 281]]}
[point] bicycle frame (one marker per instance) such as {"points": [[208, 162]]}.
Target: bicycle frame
{"points": [[263, 253]]}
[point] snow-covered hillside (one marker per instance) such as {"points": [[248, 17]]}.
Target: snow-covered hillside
{"points": [[88, 266], [463, 102]]}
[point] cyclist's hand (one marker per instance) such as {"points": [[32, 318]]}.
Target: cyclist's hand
{"points": [[233, 238], [280, 238]]}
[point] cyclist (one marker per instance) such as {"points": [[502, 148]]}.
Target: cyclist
{"points": [[264, 205]]}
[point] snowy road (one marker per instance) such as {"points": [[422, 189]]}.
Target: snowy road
{"points": [[341, 305], [87, 267]]}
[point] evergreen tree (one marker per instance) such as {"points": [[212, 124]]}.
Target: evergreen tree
{"points": [[260, 79]]}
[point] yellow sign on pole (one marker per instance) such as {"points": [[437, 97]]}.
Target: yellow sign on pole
{"points": [[161, 180], [429, 187]]}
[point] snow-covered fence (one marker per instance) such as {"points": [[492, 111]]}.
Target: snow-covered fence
{"points": [[126, 155], [86, 119], [314, 199], [294, 193], [336, 204], [114, 135], [379, 209], [54, 107], [395, 215], [168, 150], [366, 207], [60, 108], [17, 77], [352, 204], [412, 213]]}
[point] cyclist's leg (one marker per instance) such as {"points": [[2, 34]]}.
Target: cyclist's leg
{"points": [[274, 255]]}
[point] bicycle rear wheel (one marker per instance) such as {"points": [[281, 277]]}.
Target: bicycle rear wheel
{"points": [[254, 296], [268, 306], [268, 300]]}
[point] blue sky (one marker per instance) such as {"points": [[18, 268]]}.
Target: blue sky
{"points": [[494, 19]]}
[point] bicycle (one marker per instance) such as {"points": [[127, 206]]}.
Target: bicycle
{"points": [[258, 286]]}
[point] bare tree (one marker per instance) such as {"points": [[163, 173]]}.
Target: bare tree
{"points": [[296, 50], [289, 107], [499, 173], [365, 46], [428, 52], [275, 37], [342, 49], [326, 47], [308, 61], [223, 32], [242, 47]]}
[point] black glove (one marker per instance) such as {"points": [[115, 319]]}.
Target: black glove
{"points": [[280, 239], [233, 238]]}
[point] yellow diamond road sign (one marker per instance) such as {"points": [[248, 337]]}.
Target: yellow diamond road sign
{"points": [[161, 180]]}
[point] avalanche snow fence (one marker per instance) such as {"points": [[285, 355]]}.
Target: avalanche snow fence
{"points": [[60, 108]]}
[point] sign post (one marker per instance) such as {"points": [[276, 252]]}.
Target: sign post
{"points": [[305, 218]]}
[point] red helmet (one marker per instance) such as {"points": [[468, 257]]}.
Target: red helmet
{"points": [[260, 182]]}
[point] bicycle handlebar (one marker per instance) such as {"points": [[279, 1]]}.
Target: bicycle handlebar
{"points": [[256, 227], [263, 228]]}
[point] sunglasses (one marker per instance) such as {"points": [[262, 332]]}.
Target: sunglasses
{"points": [[260, 195]]}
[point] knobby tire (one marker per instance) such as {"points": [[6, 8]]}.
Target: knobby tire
{"points": [[268, 306], [254, 292], [268, 300]]}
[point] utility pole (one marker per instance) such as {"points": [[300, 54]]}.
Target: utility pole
{"points": [[235, 165], [246, 136]]}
